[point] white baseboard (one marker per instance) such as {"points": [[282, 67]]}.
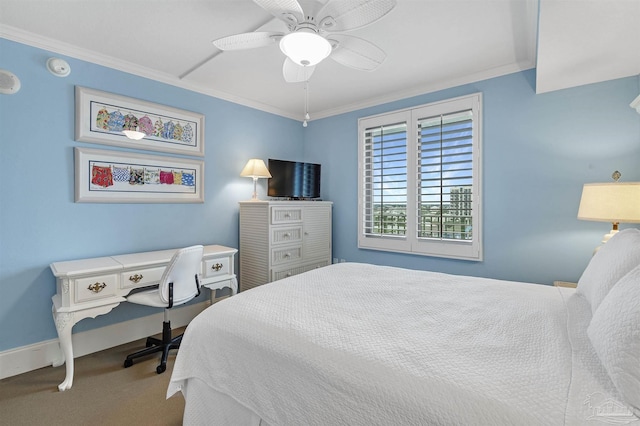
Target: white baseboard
{"points": [[31, 357]]}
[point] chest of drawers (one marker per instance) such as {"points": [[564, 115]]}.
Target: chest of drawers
{"points": [[282, 238]]}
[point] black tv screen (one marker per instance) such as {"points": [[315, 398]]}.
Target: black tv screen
{"points": [[293, 179]]}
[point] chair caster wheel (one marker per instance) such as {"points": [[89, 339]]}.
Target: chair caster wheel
{"points": [[161, 368], [128, 363]]}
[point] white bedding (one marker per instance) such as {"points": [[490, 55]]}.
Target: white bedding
{"points": [[356, 344]]}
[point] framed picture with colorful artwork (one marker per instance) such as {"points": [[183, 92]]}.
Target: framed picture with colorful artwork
{"points": [[103, 117], [103, 176]]}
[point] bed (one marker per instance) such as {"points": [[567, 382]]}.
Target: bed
{"points": [[358, 344]]}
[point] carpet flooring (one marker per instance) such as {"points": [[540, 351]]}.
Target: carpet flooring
{"points": [[103, 392]]}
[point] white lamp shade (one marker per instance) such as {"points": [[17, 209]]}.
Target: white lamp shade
{"points": [[615, 202], [305, 48], [255, 168]]}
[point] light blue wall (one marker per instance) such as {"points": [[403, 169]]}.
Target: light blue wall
{"points": [[538, 152], [39, 221]]}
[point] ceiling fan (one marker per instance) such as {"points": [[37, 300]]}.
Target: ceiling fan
{"points": [[313, 34]]}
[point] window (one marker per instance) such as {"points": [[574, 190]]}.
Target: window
{"points": [[419, 188]]}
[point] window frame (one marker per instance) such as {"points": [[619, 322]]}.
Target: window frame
{"points": [[411, 243]]}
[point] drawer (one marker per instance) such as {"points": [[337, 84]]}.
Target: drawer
{"points": [[282, 215], [141, 277], [217, 266], [286, 235], [286, 254], [93, 288], [284, 273]]}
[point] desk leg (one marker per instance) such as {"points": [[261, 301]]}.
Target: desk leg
{"points": [[234, 286], [64, 323]]}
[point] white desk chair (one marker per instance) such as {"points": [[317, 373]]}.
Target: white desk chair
{"points": [[178, 285]]}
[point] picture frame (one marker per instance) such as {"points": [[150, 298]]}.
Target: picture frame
{"points": [[101, 117], [103, 176]]}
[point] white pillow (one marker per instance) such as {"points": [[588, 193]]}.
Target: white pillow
{"points": [[612, 262], [614, 332]]}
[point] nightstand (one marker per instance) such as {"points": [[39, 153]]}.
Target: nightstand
{"points": [[565, 284]]}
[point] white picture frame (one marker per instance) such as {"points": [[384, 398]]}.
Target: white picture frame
{"points": [[101, 117], [104, 176]]}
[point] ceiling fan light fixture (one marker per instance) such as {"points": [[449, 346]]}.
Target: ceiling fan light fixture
{"points": [[305, 47]]}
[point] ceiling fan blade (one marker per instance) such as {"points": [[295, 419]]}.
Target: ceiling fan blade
{"points": [[289, 11], [294, 73], [356, 53], [247, 40], [345, 15]]}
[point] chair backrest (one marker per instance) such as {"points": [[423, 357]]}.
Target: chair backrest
{"points": [[182, 271]]}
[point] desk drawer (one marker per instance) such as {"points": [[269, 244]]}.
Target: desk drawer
{"points": [[286, 254], [216, 267], [92, 288], [141, 277]]}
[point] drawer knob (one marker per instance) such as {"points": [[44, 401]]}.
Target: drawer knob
{"points": [[287, 255], [136, 278], [287, 235], [217, 267], [96, 287]]}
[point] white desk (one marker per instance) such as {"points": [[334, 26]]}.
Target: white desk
{"points": [[90, 287]]}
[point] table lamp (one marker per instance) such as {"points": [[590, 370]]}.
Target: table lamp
{"points": [[255, 169], [615, 202]]}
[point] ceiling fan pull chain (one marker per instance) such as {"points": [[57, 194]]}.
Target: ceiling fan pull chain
{"points": [[306, 103]]}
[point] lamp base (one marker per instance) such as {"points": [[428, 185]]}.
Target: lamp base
{"points": [[608, 236], [255, 189], [614, 231]]}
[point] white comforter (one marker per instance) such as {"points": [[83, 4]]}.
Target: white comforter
{"points": [[356, 344]]}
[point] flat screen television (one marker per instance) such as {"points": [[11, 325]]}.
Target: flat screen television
{"points": [[293, 180]]}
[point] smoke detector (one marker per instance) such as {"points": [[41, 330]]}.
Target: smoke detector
{"points": [[58, 67]]}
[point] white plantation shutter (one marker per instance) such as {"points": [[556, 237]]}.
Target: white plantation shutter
{"points": [[445, 176], [420, 180], [385, 180]]}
